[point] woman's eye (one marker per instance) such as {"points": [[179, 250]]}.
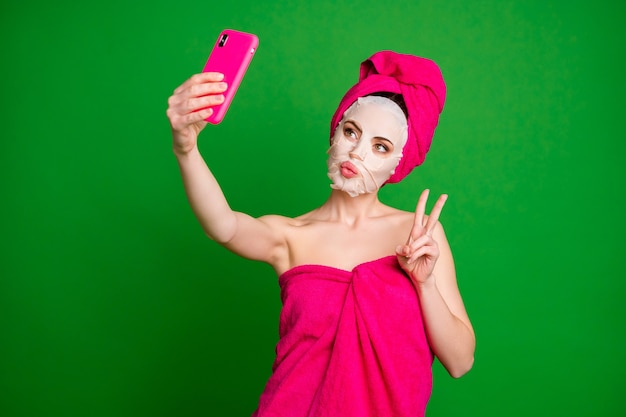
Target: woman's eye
{"points": [[349, 133], [381, 148]]}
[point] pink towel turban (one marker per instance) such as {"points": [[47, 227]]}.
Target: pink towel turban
{"points": [[421, 84]]}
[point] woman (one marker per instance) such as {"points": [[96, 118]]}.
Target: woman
{"points": [[369, 292]]}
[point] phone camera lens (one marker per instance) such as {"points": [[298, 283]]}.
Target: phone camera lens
{"points": [[222, 41]]}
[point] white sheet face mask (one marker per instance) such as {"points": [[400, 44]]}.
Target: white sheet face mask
{"points": [[367, 145]]}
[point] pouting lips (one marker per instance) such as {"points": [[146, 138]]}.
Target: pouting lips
{"points": [[348, 170]]}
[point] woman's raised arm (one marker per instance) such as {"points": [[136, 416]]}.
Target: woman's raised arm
{"points": [[188, 108]]}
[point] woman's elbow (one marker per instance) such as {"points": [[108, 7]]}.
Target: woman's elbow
{"points": [[460, 369]]}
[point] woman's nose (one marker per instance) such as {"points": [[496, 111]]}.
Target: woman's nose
{"points": [[359, 151], [355, 156]]}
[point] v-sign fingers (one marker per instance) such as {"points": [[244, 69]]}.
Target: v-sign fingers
{"points": [[435, 213], [418, 220]]}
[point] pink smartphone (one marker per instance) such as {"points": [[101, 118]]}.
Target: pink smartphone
{"points": [[231, 55]]}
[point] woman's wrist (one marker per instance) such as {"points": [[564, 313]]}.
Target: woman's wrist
{"points": [[426, 285], [184, 149]]}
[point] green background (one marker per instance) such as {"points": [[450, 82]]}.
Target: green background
{"points": [[114, 303]]}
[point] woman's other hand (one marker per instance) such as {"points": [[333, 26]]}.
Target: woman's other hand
{"points": [[419, 254]]}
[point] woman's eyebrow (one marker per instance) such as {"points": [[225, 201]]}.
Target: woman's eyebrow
{"points": [[355, 124], [385, 139]]}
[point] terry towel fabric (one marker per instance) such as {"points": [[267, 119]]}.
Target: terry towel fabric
{"points": [[352, 344]]}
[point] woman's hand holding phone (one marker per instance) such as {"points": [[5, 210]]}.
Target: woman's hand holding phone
{"points": [[191, 104], [205, 97]]}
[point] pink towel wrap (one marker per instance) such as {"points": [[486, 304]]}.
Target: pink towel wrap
{"points": [[352, 344], [421, 84]]}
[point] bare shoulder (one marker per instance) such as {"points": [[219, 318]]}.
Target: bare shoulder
{"points": [[283, 226], [293, 234], [275, 220], [280, 222], [401, 218], [407, 221]]}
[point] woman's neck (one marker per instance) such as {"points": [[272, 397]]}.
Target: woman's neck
{"points": [[341, 207]]}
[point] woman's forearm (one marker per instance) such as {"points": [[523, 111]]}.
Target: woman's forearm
{"points": [[451, 339]]}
